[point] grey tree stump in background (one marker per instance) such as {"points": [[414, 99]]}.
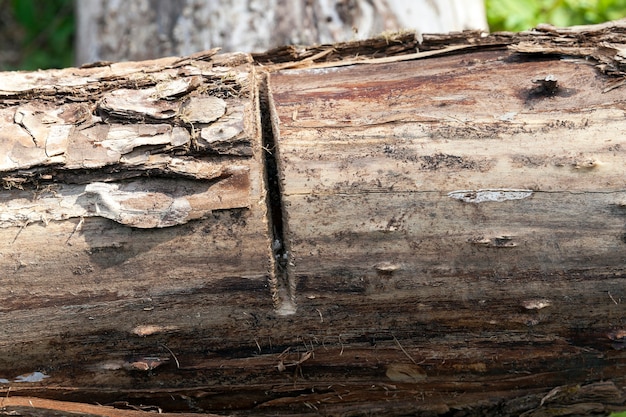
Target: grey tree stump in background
{"points": [[113, 30]]}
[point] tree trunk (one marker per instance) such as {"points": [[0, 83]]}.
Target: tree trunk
{"points": [[110, 30], [345, 229]]}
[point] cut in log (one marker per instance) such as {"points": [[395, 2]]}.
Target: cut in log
{"points": [[384, 226]]}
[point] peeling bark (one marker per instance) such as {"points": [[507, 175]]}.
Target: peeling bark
{"points": [[385, 226]]}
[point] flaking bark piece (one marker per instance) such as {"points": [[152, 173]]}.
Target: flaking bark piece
{"points": [[226, 136], [134, 207], [122, 139], [152, 103], [26, 141], [137, 104], [203, 110], [141, 203], [48, 131]]}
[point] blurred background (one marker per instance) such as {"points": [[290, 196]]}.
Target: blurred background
{"points": [[38, 34]]}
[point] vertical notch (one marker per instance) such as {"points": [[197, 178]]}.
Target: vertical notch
{"points": [[282, 286]]}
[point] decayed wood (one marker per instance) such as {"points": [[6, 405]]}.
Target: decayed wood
{"points": [[465, 158], [472, 199], [447, 237], [123, 184]]}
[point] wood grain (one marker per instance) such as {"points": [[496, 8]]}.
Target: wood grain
{"points": [[449, 224]]}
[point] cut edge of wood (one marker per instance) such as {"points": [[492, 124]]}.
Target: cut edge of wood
{"points": [[82, 408], [281, 283]]}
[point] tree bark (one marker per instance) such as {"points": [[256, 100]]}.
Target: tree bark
{"points": [[378, 226], [109, 30]]}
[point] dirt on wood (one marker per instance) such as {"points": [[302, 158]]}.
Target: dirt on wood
{"points": [[397, 226]]}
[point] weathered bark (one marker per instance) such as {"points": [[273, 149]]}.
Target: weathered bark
{"points": [[110, 30], [344, 229]]}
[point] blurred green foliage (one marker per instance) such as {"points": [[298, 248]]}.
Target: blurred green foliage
{"points": [[620, 414], [37, 34], [518, 15]]}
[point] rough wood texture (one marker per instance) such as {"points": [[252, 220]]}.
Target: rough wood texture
{"points": [[440, 231], [126, 185]]}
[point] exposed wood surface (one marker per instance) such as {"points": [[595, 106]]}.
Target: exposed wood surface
{"points": [[30, 406], [434, 228], [122, 184], [466, 152]]}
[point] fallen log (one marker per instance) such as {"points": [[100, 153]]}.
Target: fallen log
{"points": [[387, 226]]}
